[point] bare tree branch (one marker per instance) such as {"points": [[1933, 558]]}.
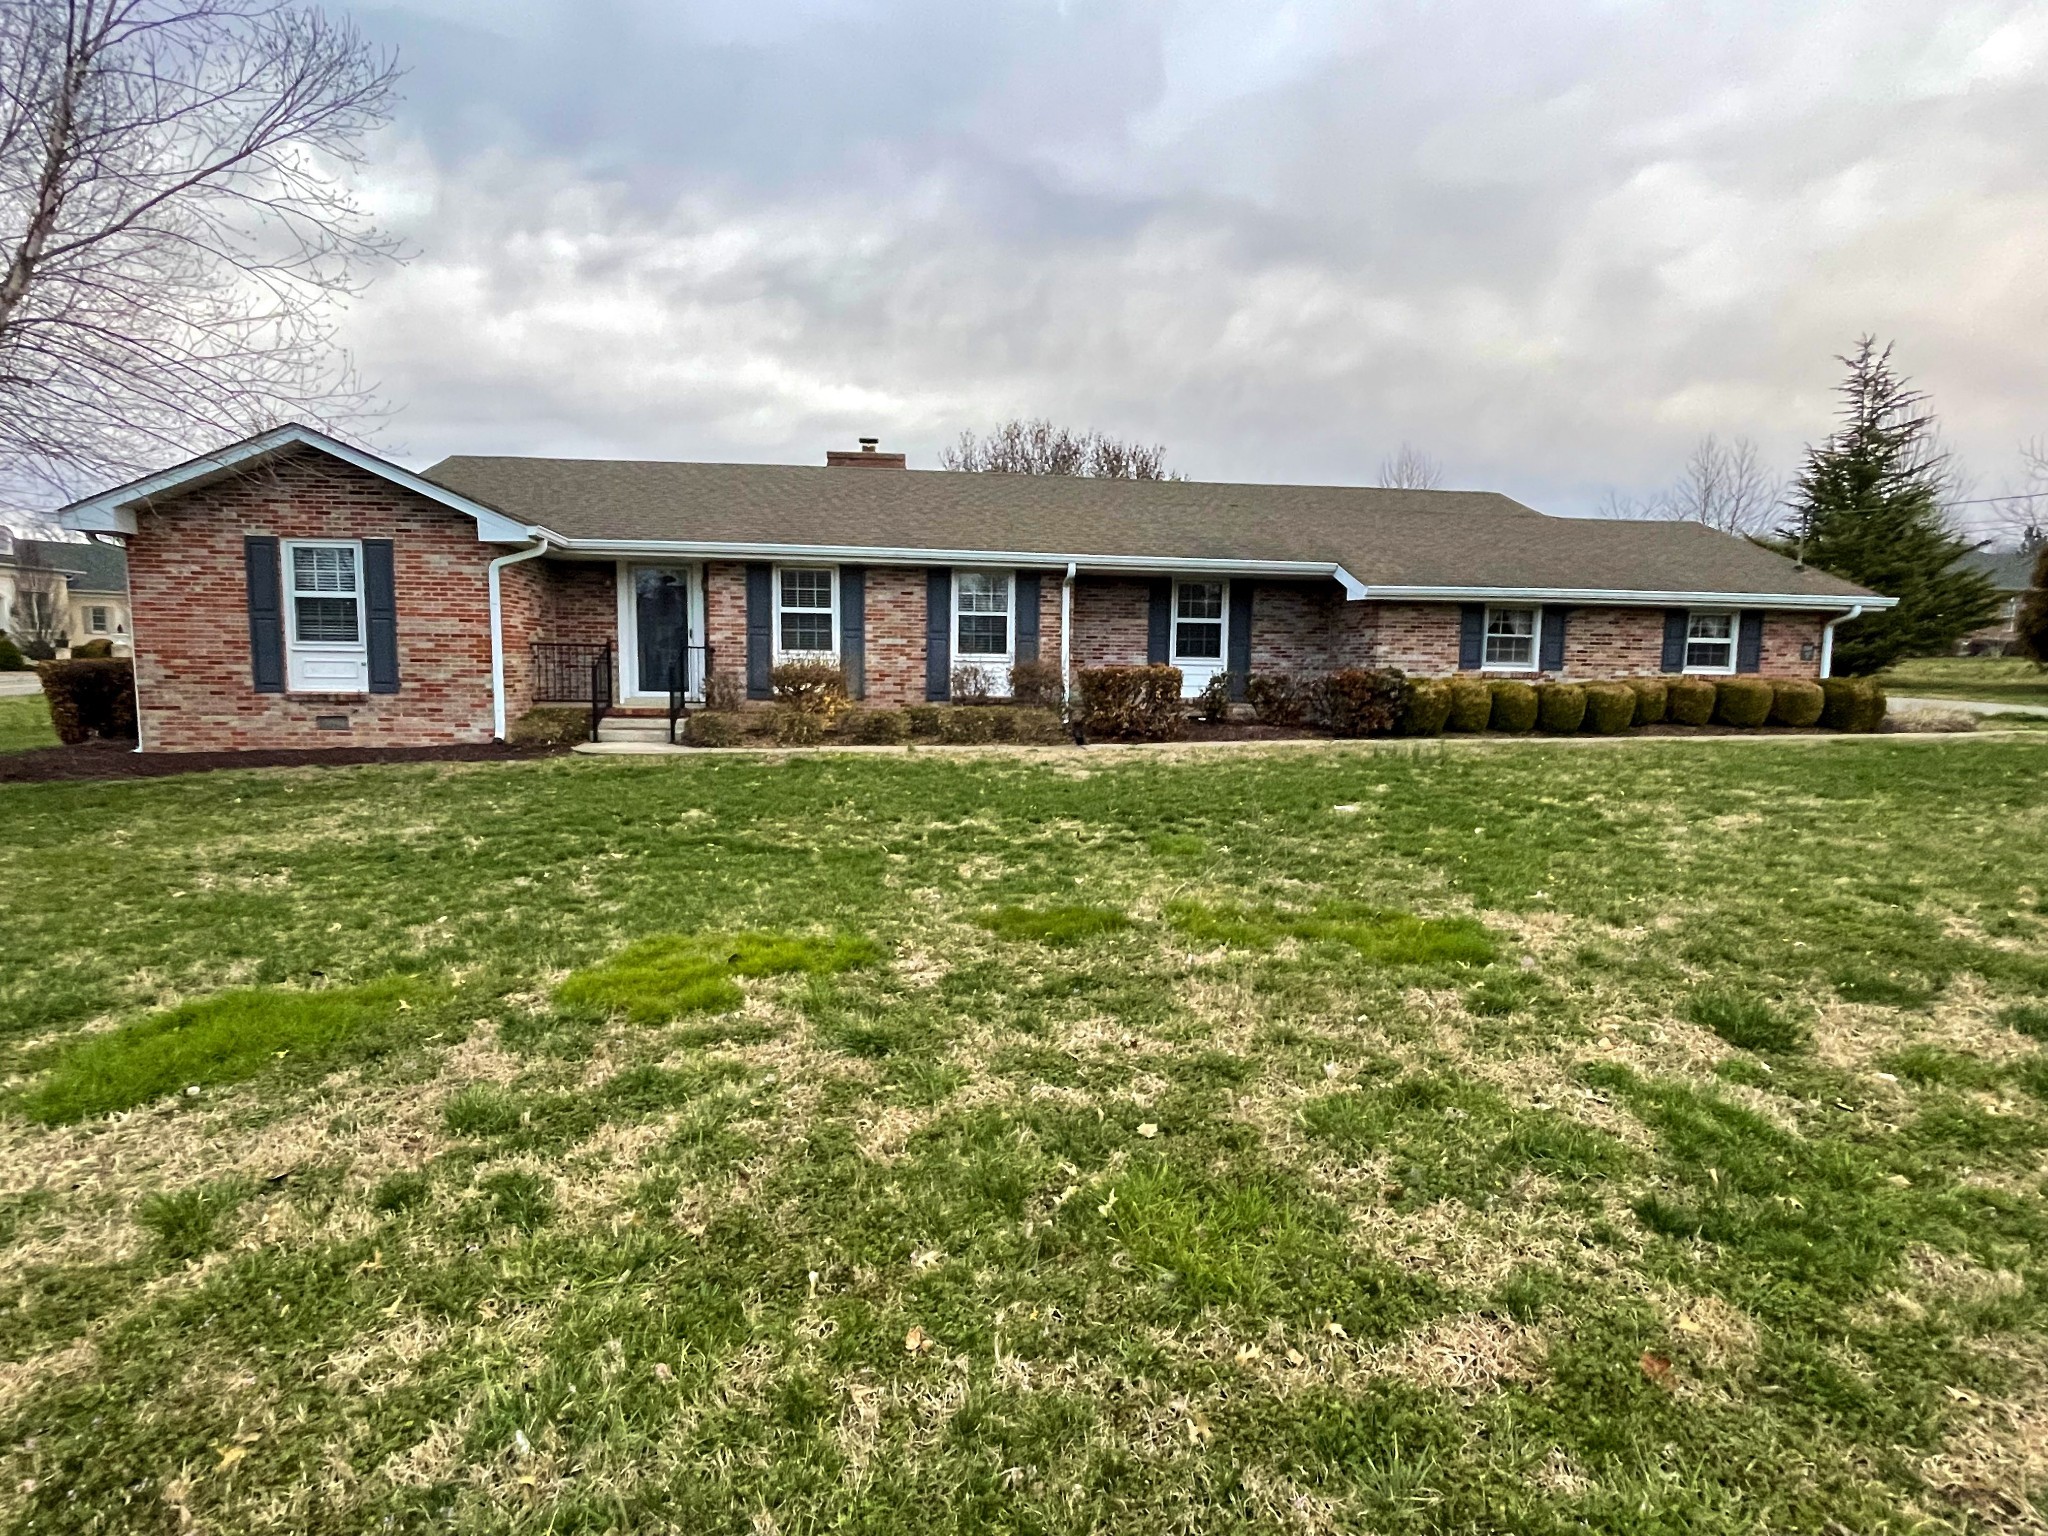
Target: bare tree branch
{"points": [[1723, 485], [1037, 447], [1411, 470], [176, 226]]}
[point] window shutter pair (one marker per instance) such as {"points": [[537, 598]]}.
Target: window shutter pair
{"points": [[263, 575], [1027, 615], [1240, 641], [1471, 637], [938, 634], [1749, 641], [760, 629], [1675, 622], [1551, 656]]}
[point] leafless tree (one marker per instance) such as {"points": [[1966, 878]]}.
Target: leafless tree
{"points": [[176, 225], [1723, 485], [1038, 447], [1411, 470], [37, 623]]}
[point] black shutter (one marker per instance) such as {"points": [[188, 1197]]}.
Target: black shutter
{"points": [[1027, 615], [1239, 644], [760, 630], [1749, 642], [266, 614], [380, 609], [853, 628], [1159, 623], [1552, 659], [1471, 637], [1674, 639], [938, 634]]}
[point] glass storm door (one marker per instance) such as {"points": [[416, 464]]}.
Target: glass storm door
{"points": [[661, 619]]}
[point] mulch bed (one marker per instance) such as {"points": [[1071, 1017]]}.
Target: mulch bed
{"points": [[118, 760]]}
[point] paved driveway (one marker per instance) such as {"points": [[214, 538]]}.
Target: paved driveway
{"points": [[14, 684], [1970, 706]]}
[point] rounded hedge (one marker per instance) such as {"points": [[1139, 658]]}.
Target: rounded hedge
{"points": [[1514, 707], [1796, 701], [550, 725], [875, 727], [1852, 704], [1743, 702], [1610, 708], [1689, 701], [966, 725], [1560, 707], [1471, 704], [712, 728], [1426, 708], [1653, 697]]}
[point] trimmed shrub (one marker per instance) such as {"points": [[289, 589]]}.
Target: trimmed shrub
{"points": [[550, 725], [795, 727], [923, 719], [712, 728], [1360, 701], [875, 727], [1610, 708], [1002, 723], [1471, 704], [1035, 684], [1213, 702], [1277, 698], [966, 727], [1743, 702], [1653, 698], [90, 698], [1040, 728], [1796, 701], [1514, 707], [724, 692], [1690, 701], [1426, 707], [814, 688], [39, 650], [1852, 704], [11, 659], [1137, 703], [1560, 707], [93, 650]]}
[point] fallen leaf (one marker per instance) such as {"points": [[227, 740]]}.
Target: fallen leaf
{"points": [[230, 1454], [917, 1341], [1658, 1369]]}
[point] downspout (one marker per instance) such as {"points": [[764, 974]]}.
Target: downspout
{"points": [[1067, 638], [498, 633], [1827, 639]]}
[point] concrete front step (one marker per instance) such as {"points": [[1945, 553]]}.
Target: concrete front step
{"points": [[633, 728]]}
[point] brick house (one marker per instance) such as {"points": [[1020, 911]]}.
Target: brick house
{"points": [[292, 590]]}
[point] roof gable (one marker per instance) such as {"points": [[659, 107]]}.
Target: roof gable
{"points": [[114, 511]]}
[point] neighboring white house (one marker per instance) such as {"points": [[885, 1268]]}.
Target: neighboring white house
{"points": [[64, 593]]}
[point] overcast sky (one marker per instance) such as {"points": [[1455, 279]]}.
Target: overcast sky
{"points": [[1551, 244]]}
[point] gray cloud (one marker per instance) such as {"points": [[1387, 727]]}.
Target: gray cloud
{"points": [[1552, 244]]}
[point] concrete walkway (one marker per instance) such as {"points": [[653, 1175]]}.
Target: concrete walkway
{"points": [[1968, 706], [14, 685]]}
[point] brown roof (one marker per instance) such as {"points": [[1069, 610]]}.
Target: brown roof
{"points": [[1384, 538]]}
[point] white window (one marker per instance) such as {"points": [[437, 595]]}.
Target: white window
{"points": [[1511, 635], [96, 620], [981, 616], [807, 612], [1198, 621], [1710, 642], [326, 650]]}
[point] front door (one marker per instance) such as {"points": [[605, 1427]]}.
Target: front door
{"points": [[661, 626]]}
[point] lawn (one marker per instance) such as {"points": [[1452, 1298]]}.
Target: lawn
{"points": [[1332, 1139], [25, 723], [1995, 679]]}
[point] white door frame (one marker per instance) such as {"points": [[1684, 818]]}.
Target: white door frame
{"points": [[629, 628]]}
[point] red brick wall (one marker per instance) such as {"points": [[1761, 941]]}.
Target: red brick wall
{"points": [[1599, 642], [725, 617], [1111, 622], [582, 601], [1294, 626], [192, 624], [1785, 635]]}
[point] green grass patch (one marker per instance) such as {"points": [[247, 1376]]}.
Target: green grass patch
{"points": [[1992, 679], [2029, 1019], [189, 1222], [671, 974], [227, 1038], [1746, 1021], [1379, 936], [25, 724], [1057, 926]]}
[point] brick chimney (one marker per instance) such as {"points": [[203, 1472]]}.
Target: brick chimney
{"points": [[867, 458]]}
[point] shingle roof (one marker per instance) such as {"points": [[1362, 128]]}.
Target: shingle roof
{"points": [[91, 567], [2009, 570], [1384, 538]]}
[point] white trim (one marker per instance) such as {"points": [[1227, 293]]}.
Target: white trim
{"points": [[1066, 640], [114, 511], [1196, 671], [493, 585], [312, 652], [1597, 597], [628, 647], [1734, 617], [1007, 657], [1535, 661], [775, 646], [1827, 639]]}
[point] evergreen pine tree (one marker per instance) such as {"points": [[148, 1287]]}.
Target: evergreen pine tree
{"points": [[1867, 507], [2033, 617]]}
